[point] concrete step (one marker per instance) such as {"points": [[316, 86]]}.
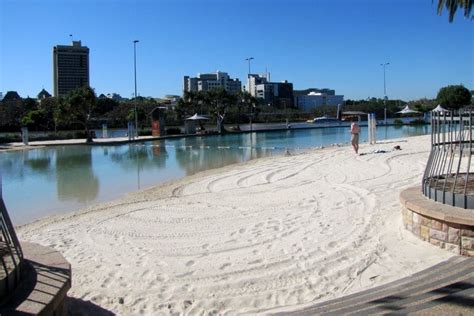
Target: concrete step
{"points": [[407, 299], [429, 285]]}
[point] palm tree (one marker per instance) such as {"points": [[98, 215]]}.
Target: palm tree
{"points": [[452, 6]]}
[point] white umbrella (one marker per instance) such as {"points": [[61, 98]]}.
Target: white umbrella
{"points": [[407, 110], [197, 117], [439, 108]]}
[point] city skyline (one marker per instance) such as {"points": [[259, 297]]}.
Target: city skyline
{"points": [[338, 45]]}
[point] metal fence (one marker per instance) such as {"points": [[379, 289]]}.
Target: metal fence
{"points": [[447, 177], [11, 255]]}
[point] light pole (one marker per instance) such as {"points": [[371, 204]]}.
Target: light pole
{"points": [[248, 76], [385, 94], [248, 89], [135, 71]]}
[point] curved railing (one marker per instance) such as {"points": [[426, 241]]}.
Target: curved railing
{"points": [[447, 177], [11, 255]]}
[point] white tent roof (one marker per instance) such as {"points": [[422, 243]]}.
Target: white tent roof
{"points": [[439, 108], [197, 117], [407, 110]]}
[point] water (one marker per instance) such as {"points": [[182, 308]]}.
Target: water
{"points": [[60, 179]]}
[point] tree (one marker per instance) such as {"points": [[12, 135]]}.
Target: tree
{"points": [[246, 100], [452, 6], [77, 108], [454, 97], [221, 100], [105, 105], [13, 109], [50, 106]]}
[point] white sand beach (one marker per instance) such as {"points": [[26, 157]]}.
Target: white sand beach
{"points": [[276, 233]]}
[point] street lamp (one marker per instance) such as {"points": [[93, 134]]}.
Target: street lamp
{"points": [[135, 71], [385, 94], [248, 76]]}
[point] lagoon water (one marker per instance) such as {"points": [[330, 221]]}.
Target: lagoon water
{"points": [[60, 179]]}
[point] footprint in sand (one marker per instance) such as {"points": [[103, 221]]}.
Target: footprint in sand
{"points": [[225, 265], [162, 277], [332, 244], [256, 261], [184, 275], [242, 230], [187, 287], [205, 246], [190, 263]]}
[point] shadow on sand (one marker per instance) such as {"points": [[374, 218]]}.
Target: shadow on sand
{"points": [[76, 307]]}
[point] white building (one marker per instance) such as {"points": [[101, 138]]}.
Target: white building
{"points": [[211, 81], [316, 99], [255, 79]]}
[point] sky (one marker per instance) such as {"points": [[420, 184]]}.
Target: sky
{"points": [[337, 44]]}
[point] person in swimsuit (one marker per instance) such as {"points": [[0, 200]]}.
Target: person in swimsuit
{"points": [[355, 130]]}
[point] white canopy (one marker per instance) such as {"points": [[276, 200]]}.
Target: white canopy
{"points": [[407, 110], [197, 117], [439, 108]]}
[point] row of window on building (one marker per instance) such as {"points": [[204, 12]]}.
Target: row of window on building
{"points": [[277, 94]]}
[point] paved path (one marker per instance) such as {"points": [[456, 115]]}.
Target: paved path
{"points": [[97, 141], [444, 289]]}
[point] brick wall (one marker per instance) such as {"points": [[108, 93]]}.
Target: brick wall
{"points": [[454, 237]]}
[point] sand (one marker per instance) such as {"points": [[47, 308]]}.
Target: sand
{"points": [[276, 233]]}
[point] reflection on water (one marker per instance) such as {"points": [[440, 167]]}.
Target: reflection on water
{"points": [[63, 178], [75, 178], [199, 154]]}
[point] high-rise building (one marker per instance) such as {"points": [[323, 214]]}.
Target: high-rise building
{"points": [[207, 82], [70, 67]]}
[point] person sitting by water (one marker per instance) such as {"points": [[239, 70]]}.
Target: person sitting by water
{"points": [[355, 130]]}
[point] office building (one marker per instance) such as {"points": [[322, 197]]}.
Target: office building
{"points": [[70, 68], [211, 81], [277, 94], [255, 79], [315, 90], [313, 100]]}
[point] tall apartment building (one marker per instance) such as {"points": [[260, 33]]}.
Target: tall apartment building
{"points": [[70, 67], [211, 81]]}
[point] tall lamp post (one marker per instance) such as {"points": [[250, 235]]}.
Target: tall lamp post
{"points": [[135, 71], [385, 94], [248, 88]]}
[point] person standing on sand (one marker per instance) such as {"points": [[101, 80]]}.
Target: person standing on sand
{"points": [[355, 130]]}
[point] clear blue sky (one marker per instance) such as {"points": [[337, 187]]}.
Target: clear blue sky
{"points": [[335, 44]]}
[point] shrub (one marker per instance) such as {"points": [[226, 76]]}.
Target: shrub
{"points": [[398, 122]]}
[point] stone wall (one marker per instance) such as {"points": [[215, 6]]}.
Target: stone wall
{"points": [[454, 237]]}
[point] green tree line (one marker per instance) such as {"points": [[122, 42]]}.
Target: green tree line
{"points": [[82, 110]]}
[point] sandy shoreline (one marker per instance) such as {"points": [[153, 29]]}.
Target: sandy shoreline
{"points": [[277, 232]]}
